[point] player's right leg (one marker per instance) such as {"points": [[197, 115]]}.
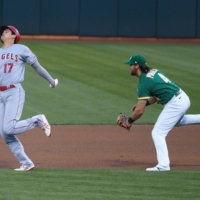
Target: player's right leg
{"points": [[14, 127], [13, 111], [13, 142], [167, 119]]}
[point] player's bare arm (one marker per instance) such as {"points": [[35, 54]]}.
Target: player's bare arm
{"points": [[151, 100], [125, 122], [139, 110]]}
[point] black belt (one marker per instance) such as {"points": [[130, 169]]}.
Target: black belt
{"points": [[179, 92]]}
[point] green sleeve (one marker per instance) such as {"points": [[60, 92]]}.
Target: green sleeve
{"points": [[143, 91]]}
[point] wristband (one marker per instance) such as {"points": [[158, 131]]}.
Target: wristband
{"points": [[130, 120]]}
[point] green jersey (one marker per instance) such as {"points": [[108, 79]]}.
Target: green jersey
{"points": [[156, 84]]}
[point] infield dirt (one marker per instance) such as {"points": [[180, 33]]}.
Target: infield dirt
{"points": [[104, 147]]}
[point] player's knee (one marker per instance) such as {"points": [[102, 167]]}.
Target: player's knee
{"points": [[181, 122], [8, 129], [157, 133]]}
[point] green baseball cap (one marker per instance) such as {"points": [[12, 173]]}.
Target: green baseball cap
{"points": [[136, 59]]}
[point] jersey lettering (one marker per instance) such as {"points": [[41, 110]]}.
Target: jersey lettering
{"points": [[8, 67], [151, 73], [9, 56], [164, 78]]}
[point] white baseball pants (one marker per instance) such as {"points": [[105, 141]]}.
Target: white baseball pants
{"points": [[11, 106], [171, 115]]}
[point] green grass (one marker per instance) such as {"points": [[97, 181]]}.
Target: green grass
{"points": [[94, 82], [99, 184], [94, 86]]}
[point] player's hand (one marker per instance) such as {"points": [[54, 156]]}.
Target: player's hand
{"points": [[55, 83]]}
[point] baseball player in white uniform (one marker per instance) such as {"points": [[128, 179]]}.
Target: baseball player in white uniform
{"points": [[12, 96]]}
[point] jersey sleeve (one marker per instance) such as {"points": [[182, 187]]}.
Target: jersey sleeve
{"points": [[143, 92], [28, 56]]}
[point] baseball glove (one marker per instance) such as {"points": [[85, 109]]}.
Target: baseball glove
{"points": [[122, 121]]}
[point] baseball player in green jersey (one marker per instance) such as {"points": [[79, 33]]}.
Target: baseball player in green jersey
{"points": [[154, 86]]}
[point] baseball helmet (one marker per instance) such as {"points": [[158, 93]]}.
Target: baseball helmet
{"points": [[13, 29]]}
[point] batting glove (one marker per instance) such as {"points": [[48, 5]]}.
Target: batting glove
{"points": [[55, 83]]}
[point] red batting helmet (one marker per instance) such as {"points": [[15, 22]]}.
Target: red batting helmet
{"points": [[13, 29]]}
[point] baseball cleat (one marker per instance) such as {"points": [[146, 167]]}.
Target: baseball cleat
{"points": [[24, 168], [46, 126], [157, 169]]}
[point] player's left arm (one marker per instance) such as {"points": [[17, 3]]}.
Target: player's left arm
{"points": [[139, 109], [29, 57], [43, 72], [125, 122]]}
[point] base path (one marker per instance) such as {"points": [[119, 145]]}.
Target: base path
{"points": [[104, 147]]}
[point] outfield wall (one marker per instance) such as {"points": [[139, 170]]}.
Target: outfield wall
{"points": [[113, 18]]}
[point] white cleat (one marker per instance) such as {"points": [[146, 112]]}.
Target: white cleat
{"points": [[24, 168], [46, 126], [157, 169]]}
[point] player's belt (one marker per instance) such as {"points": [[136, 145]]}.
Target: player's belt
{"points": [[179, 92], [3, 88]]}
